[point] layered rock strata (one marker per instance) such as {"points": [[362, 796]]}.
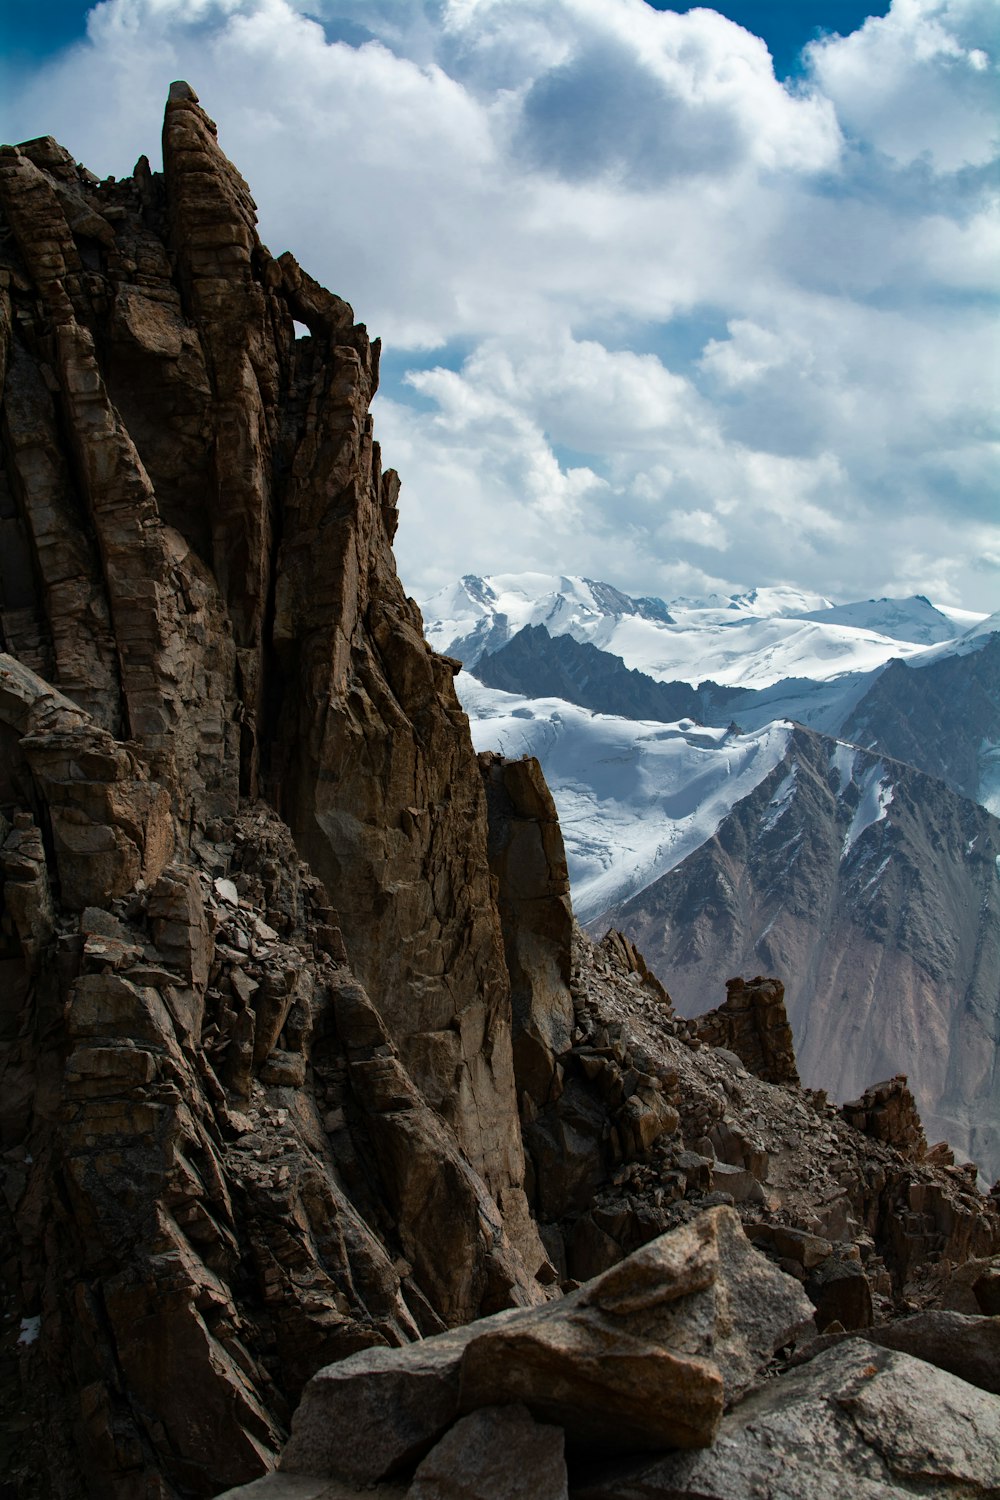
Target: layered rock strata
{"points": [[251, 1121]]}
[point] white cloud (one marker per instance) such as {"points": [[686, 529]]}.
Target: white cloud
{"points": [[684, 318], [915, 83]]}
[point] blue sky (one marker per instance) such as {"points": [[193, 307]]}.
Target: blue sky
{"points": [[35, 31], [657, 306]]}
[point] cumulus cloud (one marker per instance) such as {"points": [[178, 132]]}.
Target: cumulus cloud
{"points": [[918, 82], [649, 313]]}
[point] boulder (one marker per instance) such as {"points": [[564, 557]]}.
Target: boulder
{"points": [[378, 1410], [858, 1422], [496, 1453], [645, 1356]]}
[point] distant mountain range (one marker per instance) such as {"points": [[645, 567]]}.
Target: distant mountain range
{"points": [[855, 857]]}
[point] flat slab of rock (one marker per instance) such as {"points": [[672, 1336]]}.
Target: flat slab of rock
{"points": [[856, 1423], [497, 1453], [645, 1356]]}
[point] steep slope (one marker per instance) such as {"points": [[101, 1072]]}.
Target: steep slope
{"points": [[875, 892], [943, 718]]}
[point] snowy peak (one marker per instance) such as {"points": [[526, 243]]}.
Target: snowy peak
{"points": [[461, 618], [752, 639], [915, 620], [758, 604]]}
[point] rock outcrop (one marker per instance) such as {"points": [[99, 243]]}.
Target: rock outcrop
{"points": [[256, 1113], [753, 1024]]}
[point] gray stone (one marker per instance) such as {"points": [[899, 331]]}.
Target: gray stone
{"points": [[496, 1453], [857, 1423], [378, 1410], [967, 1346]]}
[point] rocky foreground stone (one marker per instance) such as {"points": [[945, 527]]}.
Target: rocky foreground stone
{"points": [[303, 1065], [645, 1356]]}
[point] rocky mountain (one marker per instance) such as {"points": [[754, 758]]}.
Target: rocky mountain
{"points": [[943, 718], [538, 665], [875, 891], [308, 1081]]}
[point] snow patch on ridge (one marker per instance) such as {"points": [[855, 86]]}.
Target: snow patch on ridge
{"points": [[876, 792], [779, 803], [842, 762]]}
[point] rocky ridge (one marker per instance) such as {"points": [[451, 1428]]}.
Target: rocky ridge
{"points": [[301, 1057], [873, 889]]}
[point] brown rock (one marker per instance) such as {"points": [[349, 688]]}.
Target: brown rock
{"points": [[841, 1293], [752, 1022], [888, 1112], [528, 859]]}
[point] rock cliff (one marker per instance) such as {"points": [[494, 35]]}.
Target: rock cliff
{"points": [[301, 1056], [204, 630]]}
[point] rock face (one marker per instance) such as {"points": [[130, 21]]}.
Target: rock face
{"points": [[258, 643], [255, 1114], [528, 860]]}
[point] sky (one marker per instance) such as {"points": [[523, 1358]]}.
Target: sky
{"points": [[682, 300]]}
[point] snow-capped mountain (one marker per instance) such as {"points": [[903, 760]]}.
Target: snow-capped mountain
{"points": [[915, 620], [940, 710], [751, 640], [634, 797], [869, 885]]}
